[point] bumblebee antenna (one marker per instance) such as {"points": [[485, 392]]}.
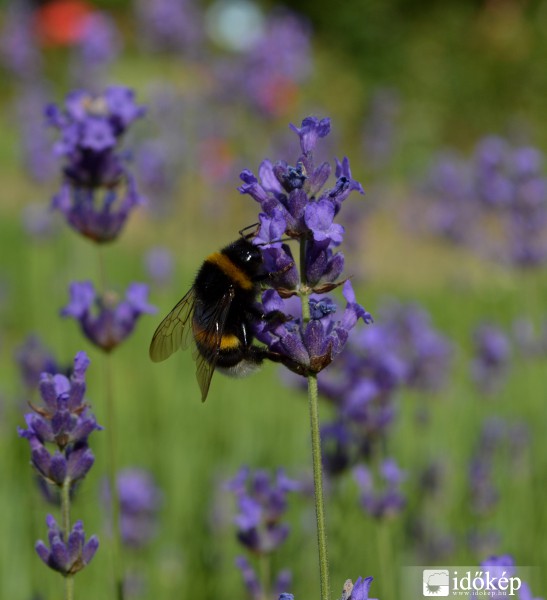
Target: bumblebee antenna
{"points": [[280, 240], [248, 236]]}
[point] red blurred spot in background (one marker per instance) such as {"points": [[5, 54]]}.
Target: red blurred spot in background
{"points": [[62, 22]]}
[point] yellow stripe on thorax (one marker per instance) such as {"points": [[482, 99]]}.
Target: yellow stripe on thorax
{"points": [[231, 270]]}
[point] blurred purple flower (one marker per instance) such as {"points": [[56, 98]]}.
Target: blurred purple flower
{"points": [[159, 265], [39, 222], [386, 501], [401, 350], [492, 355], [269, 81], [157, 171], [171, 25], [19, 50], [35, 139], [493, 179], [67, 556], [262, 502], [426, 352], [498, 571], [140, 501], [528, 341], [104, 320], [98, 46], [33, 359], [255, 588], [98, 191], [496, 435], [453, 207], [501, 192], [379, 131]]}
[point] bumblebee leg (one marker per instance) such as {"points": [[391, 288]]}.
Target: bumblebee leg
{"points": [[258, 355], [274, 274], [255, 313]]}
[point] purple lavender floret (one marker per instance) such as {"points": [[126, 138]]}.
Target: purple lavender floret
{"points": [[358, 590], [98, 191], [140, 501], [314, 345], [105, 321], [388, 501], [262, 502], [67, 556]]}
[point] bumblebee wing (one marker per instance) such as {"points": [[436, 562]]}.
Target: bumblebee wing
{"points": [[208, 338], [173, 332]]}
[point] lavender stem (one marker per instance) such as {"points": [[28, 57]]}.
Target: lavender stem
{"points": [[65, 520], [315, 443], [264, 569]]}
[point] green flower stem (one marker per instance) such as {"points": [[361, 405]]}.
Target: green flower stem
{"points": [[318, 487], [264, 565], [69, 587], [313, 403], [383, 540], [65, 524]]}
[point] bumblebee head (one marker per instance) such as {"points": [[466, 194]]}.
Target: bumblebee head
{"points": [[245, 255]]}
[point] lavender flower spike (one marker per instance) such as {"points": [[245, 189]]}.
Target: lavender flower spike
{"points": [[105, 321], [98, 191], [67, 556], [140, 501], [293, 205], [63, 419], [262, 504]]}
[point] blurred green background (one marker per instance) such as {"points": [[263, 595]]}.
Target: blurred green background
{"points": [[460, 70]]}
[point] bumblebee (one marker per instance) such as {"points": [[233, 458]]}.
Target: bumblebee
{"points": [[218, 314]]}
